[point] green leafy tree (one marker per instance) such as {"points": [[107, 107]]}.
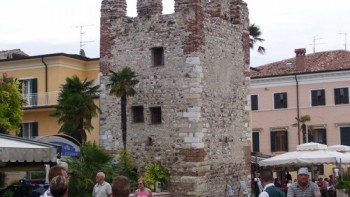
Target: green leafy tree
{"points": [[301, 121], [76, 108], [156, 173], [124, 166], [11, 105], [254, 35], [83, 169], [122, 85]]}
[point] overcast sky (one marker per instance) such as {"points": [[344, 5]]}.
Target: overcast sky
{"points": [[290, 24], [52, 26]]}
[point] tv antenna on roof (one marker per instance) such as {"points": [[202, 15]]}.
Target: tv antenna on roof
{"points": [[314, 43], [82, 43], [345, 35]]}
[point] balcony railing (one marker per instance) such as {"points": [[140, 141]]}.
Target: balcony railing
{"points": [[40, 99]]}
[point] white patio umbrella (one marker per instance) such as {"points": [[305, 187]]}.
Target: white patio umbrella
{"points": [[312, 146], [339, 148], [306, 155], [299, 158]]}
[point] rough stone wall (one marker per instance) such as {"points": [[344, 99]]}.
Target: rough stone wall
{"points": [[204, 137]]}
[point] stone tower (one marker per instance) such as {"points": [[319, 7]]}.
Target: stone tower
{"points": [[190, 112]]}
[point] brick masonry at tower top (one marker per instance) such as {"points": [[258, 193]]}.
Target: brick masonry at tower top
{"points": [[199, 88]]}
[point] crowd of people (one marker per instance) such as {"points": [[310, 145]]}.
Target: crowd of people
{"points": [[302, 186], [268, 187], [120, 187]]}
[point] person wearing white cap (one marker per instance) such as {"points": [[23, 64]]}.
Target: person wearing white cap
{"points": [[303, 187]]}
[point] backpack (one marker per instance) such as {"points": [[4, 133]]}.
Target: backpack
{"points": [[274, 191]]}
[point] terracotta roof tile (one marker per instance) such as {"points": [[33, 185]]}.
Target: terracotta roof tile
{"points": [[315, 62]]}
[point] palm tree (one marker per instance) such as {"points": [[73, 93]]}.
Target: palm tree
{"points": [[122, 85], [76, 107], [254, 37], [302, 120]]}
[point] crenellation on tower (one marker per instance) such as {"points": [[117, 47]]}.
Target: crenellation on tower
{"points": [[148, 8], [190, 13], [235, 13], [111, 11], [218, 8]]}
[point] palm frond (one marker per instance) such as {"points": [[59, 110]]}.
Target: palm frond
{"points": [[76, 108], [254, 34]]}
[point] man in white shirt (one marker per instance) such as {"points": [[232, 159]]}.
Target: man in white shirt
{"points": [[102, 188], [267, 180]]}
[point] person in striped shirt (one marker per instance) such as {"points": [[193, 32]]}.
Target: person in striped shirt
{"points": [[303, 187]]}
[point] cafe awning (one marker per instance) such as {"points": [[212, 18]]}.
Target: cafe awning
{"points": [[17, 149]]}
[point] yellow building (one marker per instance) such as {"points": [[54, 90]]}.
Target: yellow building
{"points": [[42, 77]]}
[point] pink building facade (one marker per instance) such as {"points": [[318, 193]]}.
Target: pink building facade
{"points": [[316, 85]]}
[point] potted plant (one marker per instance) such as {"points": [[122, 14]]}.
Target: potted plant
{"points": [[343, 186], [156, 175]]}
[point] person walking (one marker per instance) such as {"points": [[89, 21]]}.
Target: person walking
{"points": [[323, 187], [267, 180], [288, 177], [101, 188], [53, 172], [258, 188], [303, 187], [59, 186], [120, 187], [142, 191]]}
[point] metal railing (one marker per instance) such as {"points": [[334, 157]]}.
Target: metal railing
{"points": [[40, 99]]}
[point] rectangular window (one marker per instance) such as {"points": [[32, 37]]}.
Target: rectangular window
{"points": [[279, 141], [317, 135], [345, 136], [320, 169], [29, 130], [137, 112], [29, 91], [318, 97], [254, 102], [156, 115], [280, 100], [158, 56], [341, 96], [256, 147]]}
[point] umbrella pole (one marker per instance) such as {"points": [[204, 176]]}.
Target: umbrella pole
{"points": [[341, 170]]}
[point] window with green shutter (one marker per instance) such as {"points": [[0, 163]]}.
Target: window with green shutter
{"points": [[29, 88], [29, 130], [345, 136], [318, 97], [280, 100], [256, 143], [279, 141], [341, 96], [318, 135], [254, 102]]}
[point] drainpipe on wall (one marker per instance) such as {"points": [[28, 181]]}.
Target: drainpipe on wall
{"points": [[299, 66], [46, 88], [298, 111]]}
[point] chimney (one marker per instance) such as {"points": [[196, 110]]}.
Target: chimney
{"points": [[300, 59]]}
